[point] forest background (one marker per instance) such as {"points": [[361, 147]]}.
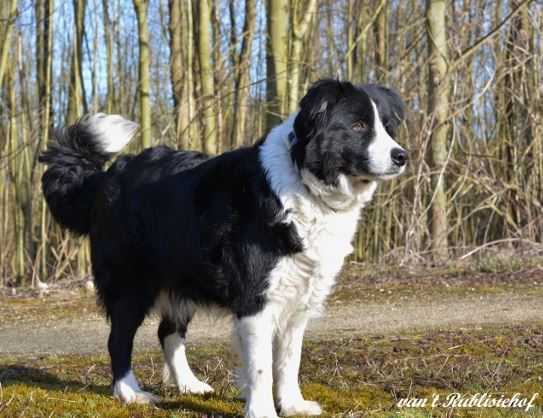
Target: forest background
{"points": [[217, 74]]}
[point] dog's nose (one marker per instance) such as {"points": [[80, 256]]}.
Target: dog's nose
{"points": [[399, 156]]}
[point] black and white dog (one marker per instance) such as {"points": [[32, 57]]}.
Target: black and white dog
{"points": [[261, 232]]}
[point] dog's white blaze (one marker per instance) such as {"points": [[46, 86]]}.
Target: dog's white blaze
{"points": [[177, 366], [380, 148], [325, 218], [112, 132]]}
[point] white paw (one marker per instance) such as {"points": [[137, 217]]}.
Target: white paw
{"points": [[146, 398], [167, 376], [127, 390], [195, 386], [301, 408], [259, 412], [139, 397]]}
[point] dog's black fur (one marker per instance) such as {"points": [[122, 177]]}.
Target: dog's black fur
{"points": [[205, 229]]}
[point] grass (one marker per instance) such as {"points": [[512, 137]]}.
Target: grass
{"points": [[363, 376], [349, 376]]}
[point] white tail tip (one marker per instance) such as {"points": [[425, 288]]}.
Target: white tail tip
{"points": [[112, 132]]}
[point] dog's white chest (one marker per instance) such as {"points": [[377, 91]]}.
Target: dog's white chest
{"points": [[304, 280]]}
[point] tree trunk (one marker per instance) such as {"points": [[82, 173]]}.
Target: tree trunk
{"points": [[44, 71], [4, 48], [205, 59], [175, 29], [299, 30], [218, 77], [380, 30], [242, 88], [141, 7], [76, 99], [438, 108], [276, 59], [109, 57]]}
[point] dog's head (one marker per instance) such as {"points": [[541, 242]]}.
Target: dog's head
{"points": [[349, 130]]}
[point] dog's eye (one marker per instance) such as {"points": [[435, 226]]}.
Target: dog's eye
{"points": [[359, 126]]}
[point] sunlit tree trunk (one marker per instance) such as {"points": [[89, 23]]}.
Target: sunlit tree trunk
{"points": [[44, 70], [177, 69], [302, 13], [438, 88], [5, 39], [144, 89], [380, 30], [241, 87], [205, 59], [76, 99], [109, 57], [277, 58]]}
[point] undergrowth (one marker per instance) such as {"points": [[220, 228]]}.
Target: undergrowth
{"points": [[362, 377]]}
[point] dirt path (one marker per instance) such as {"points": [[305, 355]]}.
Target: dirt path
{"points": [[82, 336]]}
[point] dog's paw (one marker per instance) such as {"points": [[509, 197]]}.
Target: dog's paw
{"points": [[127, 390], [139, 397], [195, 386], [167, 376], [146, 398], [301, 407], [260, 413]]}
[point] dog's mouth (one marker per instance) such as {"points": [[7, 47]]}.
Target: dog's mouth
{"points": [[387, 175]]}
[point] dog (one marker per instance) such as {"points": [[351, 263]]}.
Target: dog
{"points": [[260, 232]]}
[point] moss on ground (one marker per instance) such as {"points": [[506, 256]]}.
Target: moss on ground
{"points": [[362, 376]]}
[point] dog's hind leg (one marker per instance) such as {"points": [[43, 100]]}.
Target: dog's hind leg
{"points": [[171, 334], [126, 317]]}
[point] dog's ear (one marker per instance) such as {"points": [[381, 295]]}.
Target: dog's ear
{"points": [[316, 105], [389, 103]]}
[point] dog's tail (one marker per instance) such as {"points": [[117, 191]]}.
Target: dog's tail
{"points": [[75, 159]]}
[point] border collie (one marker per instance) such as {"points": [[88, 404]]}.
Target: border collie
{"points": [[260, 232]]}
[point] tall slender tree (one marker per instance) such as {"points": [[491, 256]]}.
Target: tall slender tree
{"points": [[177, 68], [301, 15], [76, 97], [276, 60], [242, 76], [438, 107], [110, 101], [144, 89], [205, 60], [9, 14], [380, 29]]}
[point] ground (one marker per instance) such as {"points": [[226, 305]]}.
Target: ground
{"points": [[387, 334]]}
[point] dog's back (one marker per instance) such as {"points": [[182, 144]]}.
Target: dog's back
{"points": [[167, 220]]}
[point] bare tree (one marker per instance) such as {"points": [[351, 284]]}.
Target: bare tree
{"points": [[6, 37], [205, 59], [277, 59], [242, 77], [438, 108], [144, 89], [302, 13], [76, 98]]}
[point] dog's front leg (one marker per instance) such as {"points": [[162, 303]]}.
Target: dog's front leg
{"points": [[255, 334], [288, 352]]}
